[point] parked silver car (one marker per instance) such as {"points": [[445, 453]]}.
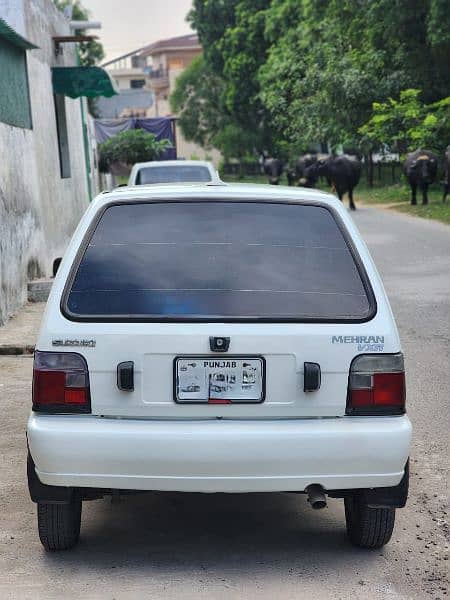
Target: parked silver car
{"points": [[173, 171]]}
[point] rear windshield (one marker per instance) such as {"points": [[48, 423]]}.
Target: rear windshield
{"points": [[218, 260], [173, 174]]}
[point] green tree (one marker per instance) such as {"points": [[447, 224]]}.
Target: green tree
{"points": [[336, 58], [211, 19], [244, 48], [90, 53], [292, 73], [130, 147], [233, 38], [407, 124], [232, 144], [197, 100]]}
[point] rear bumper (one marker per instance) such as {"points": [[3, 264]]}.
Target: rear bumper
{"points": [[219, 455]]}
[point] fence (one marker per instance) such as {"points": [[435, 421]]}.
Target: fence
{"points": [[386, 173], [383, 173]]}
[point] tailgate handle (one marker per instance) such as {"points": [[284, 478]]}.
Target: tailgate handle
{"points": [[125, 376], [312, 377]]}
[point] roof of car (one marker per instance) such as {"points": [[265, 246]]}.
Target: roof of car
{"points": [[174, 163], [221, 190]]}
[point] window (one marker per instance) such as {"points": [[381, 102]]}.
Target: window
{"points": [[218, 260], [137, 83], [173, 174], [138, 61], [176, 64], [15, 107], [63, 136]]}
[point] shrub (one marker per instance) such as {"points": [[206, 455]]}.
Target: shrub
{"points": [[130, 147]]}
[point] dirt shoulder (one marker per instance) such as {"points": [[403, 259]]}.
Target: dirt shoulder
{"points": [[396, 197]]}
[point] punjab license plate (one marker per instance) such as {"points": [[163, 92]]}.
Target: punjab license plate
{"points": [[219, 380]]}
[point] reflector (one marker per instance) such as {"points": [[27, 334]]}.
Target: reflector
{"points": [[60, 383], [376, 385]]}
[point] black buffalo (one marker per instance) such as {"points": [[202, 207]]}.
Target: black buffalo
{"points": [[343, 172], [306, 171], [291, 176], [420, 168], [446, 174], [273, 168]]}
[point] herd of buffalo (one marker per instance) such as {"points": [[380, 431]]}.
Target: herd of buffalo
{"points": [[344, 171]]}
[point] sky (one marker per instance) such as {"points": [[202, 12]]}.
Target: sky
{"points": [[130, 24]]}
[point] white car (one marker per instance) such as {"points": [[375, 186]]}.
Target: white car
{"points": [[173, 171], [224, 338]]}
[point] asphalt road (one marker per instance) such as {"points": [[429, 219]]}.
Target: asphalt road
{"points": [[264, 546]]}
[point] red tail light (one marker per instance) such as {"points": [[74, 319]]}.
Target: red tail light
{"points": [[376, 385], [60, 383]]}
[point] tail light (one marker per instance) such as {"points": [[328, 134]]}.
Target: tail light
{"points": [[376, 385], [60, 383]]}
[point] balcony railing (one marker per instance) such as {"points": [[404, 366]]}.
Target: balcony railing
{"points": [[159, 74]]}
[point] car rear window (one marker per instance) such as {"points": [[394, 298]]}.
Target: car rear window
{"points": [[173, 174], [214, 260]]}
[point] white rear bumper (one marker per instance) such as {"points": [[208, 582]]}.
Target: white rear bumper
{"points": [[219, 455]]}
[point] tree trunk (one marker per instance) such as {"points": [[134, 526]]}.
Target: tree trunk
{"points": [[369, 163]]}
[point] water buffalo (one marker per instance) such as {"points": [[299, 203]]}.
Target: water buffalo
{"points": [[273, 168], [446, 174], [420, 168], [291, 176], [305, 170], [343, 172]]}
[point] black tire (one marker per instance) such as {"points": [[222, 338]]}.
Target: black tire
{"points": [[368, 527], [59, 524]]}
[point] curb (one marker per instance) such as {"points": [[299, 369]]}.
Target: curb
{"points": [[39, 289], [13, 350]]}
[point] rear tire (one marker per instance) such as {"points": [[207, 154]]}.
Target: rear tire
{"points": [[368, 527], [59, 524]]}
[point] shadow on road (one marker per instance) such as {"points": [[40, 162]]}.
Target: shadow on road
{"points": [[220, 532]]}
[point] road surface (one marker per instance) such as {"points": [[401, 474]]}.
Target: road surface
{"points": [[264, 546]]}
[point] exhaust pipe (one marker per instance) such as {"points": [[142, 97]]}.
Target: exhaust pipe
{"points": [[316, 496]]}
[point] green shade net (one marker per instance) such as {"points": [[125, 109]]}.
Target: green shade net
{"points": [[82, 81], [12, 36]]}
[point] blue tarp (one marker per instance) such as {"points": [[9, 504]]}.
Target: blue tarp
{"points": [[160, 127]]}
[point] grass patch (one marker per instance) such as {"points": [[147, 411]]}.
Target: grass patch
{"points": [[388, 194], [398, 197], [435, 210], [393, 194]]}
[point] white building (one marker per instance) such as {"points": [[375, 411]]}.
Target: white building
{"points": [[48, 167]]}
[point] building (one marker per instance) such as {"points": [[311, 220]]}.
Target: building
{"points": [[169, 58], [154, 69], [48, 168], [131, 70], [128, 103], [131, 74]]}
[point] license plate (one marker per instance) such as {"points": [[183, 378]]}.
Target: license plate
{"points": [[219, 380]]}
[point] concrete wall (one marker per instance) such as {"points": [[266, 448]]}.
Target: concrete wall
{"points": [[38, 209], [131, 99]]}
